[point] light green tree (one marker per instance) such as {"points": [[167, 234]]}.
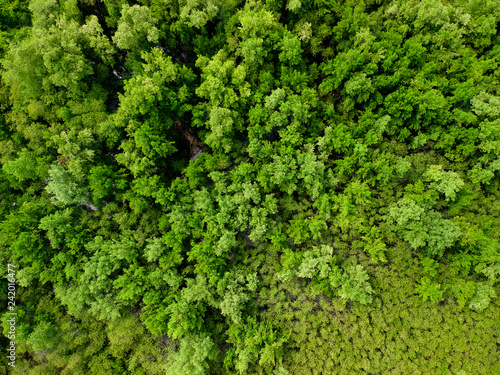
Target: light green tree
{"points": [[65, 188], [135, 27]]}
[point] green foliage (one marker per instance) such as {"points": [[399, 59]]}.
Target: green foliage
{"points": [[427, 230], [429, 290], [135, 26], [355, 286], [405, 212], [192, 357], [253, 187], [405, 336], [103, 181], [27, 166], [257, 345], [43, 337], [447, 183], [430, 266], [188, 311], [482, 298], [199, 12], [375, 246], [463, 291], [65, 188]]}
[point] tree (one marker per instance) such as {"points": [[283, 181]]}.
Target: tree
{"points": [[447, 183], [427, 230], [65, 188], [193, 357], [250, 187], [26, 167], [135, 27]]}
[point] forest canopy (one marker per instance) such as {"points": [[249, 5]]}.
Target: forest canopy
{"points": [[251, 187]]}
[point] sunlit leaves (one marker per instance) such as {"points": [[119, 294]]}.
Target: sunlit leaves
{"points": [[429, 290], [374, 245], [25, 167], [355, 285], [486, 105], [43, 337], [149, 121], [199, 12], [65, 188], [135, 27], [405, 211], [291, 50], [448, 183], [256, 343], [233, 298], [463, 291], [347, 169], [187, 313], [192, 357], [482, 298], [427, 230]]}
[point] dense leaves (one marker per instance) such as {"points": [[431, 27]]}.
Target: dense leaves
{"points": [[258, 187]]}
